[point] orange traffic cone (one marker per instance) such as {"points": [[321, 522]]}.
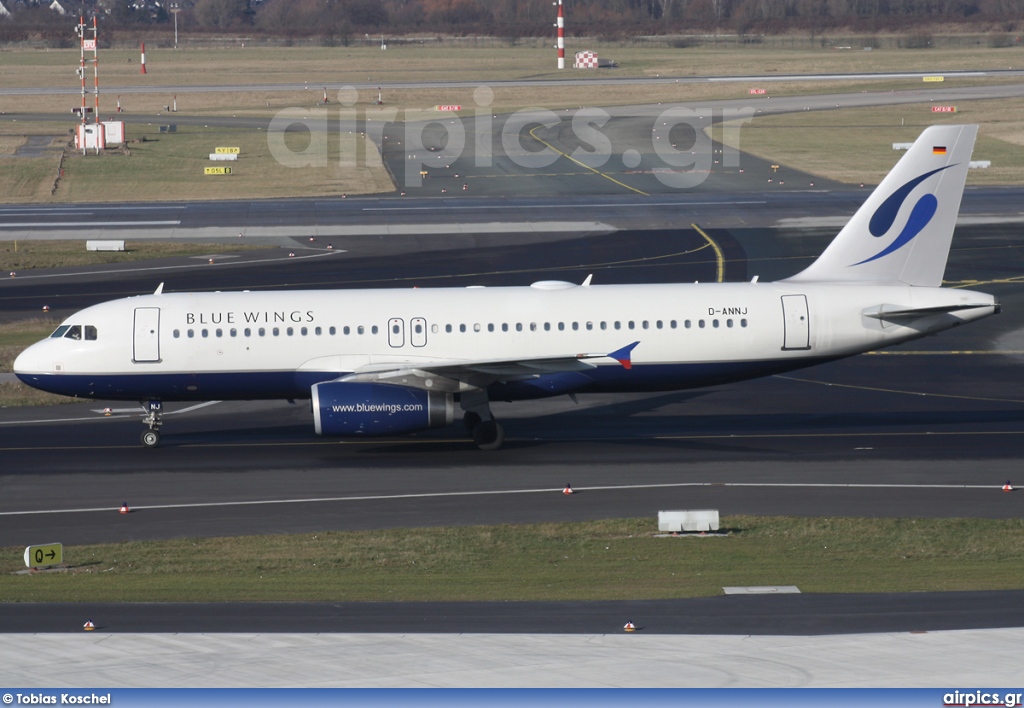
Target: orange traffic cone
{"points": [[1007, 487], [568, 489], [89, 626], [125, 509], [630, 627]]}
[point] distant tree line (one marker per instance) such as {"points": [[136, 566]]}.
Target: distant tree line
{"points": [[341, 21]]}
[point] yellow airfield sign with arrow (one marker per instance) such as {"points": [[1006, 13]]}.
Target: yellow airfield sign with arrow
{"points": [[42, 556]]}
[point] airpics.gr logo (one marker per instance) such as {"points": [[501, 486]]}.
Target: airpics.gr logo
{"points": [[885, 215]]}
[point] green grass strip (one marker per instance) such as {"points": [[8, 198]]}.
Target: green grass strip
{"points": [[600, 560]]}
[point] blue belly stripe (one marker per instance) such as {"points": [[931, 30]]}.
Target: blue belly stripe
{"points": [[262, 385]]}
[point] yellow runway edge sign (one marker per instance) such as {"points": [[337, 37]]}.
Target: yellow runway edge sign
{"points": [[216, 170], [226, 151], [44, 555]]}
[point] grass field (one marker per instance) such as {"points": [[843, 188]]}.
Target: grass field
{"points": [[807, 141], [169, 166], [433, 62], [27, 255], [161, 166], [599, 560]]}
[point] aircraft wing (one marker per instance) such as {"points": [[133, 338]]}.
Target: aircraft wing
{"points": [[456, 375]]}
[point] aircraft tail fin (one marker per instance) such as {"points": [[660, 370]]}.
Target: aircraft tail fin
{"points": [[902, 233]]}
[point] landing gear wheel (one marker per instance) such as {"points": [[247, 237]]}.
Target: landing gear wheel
{"points": [[150, 438], [471, 420], [488, 435]]}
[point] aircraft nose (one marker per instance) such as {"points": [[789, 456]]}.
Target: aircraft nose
{"points": [[28, 361]]}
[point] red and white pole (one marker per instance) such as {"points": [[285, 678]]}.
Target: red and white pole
{"points": [[561, 36], [96, 70], [81, 71], [143, 69]]}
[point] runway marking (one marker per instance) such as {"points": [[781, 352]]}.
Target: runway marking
{"points": [[906, 393], [517, 207], [953, 352], [585, 166], [643, 262], [45, 224], [182, 266], [719, 258], [121, 416], [501, 492], [380, 442]]}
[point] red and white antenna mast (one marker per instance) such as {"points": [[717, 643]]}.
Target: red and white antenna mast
{"points": [[81, 66], [561, 36], [95, 69]]}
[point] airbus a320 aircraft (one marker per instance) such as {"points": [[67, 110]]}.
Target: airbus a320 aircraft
{"points": [[386, 362]]}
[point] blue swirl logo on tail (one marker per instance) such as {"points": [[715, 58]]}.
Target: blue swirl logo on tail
{"points": [[885, 215]]}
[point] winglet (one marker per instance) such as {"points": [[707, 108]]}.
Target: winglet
{"points": [[623, 355], [159, 289], [586, 283]]}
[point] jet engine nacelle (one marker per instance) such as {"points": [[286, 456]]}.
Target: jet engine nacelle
{"points": [[351, 408]]}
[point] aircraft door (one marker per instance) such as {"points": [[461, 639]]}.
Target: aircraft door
{"points": [[396, 332], [796, 323], [418, 325], [147, 334]]}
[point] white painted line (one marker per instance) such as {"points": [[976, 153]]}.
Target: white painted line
{"points": [[118, 414], [43, 224], [762, 590], [47, 212], [518, 207], [180, 267], [498, 492]]}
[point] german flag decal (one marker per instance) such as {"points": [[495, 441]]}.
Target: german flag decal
{"points": [[939, 150]]}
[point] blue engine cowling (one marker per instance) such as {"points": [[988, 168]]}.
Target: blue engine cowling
{"points": [[351, 408]]}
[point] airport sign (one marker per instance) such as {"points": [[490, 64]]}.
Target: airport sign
{"points": [[44, 555], [934, 78], [943, 109], [447, 108], [216, 170], [758, 92], [227, 150]]}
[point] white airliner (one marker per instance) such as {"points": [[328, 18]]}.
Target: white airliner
{"points": [[385, 362]]}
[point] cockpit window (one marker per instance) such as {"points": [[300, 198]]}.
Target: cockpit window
{"points": [[90, 332], [59, 332], [74, 332]]}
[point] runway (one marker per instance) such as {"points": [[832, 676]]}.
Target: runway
{"points": [[600, 80]]}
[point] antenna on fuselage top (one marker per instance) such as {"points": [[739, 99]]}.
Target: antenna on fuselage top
{"points": [[159, 289]]}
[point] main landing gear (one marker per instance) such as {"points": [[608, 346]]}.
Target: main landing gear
{"points": [[487, 433], [151, 436]]}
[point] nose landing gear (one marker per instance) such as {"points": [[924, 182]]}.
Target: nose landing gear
{"points": [[151, 436]]}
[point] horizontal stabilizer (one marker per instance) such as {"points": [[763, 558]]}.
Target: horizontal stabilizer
{"points": [[884, 314]]}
